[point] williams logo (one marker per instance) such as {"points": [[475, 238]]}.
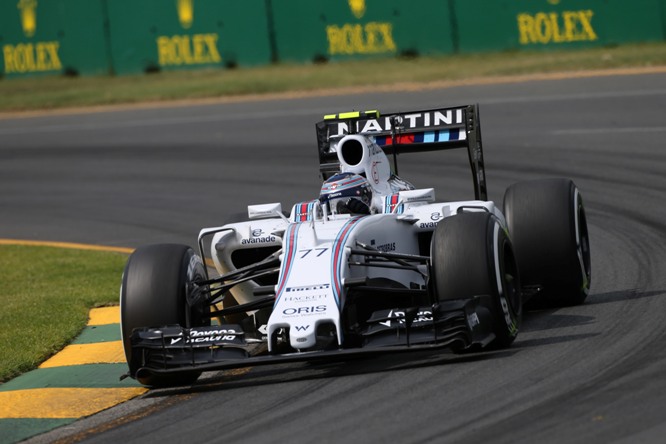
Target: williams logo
{"points": [[186, 13], [28, 10], [357, 8]]}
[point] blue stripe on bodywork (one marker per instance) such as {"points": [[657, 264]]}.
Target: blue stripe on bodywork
{"points": [[290, 244], [337, 255]]}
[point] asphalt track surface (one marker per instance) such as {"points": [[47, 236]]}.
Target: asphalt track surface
{"points": [[588, 374]]}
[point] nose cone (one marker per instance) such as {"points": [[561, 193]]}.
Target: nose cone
{"points": [[302, 336]]}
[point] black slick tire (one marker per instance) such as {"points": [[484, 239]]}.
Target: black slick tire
{"points": [[152, 294], [472, 256], [548, 228]]}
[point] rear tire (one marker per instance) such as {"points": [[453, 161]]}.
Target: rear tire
{"points": [[472, 256], [153, 294], [548, 228]]}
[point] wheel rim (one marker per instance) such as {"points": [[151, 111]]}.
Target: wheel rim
{"points": [[583, 244], [511, 284]]}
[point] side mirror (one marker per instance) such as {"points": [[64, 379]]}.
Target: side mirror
{"points": [[265, 211]]}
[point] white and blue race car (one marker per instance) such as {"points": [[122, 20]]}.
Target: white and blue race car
{"points": [[371, 266]]}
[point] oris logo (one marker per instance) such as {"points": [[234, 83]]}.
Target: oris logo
{"points": [[304, 310]]}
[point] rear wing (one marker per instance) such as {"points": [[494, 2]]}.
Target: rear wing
{"points": [[407, 132]]}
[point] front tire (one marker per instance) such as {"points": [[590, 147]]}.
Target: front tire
{"points": [[153, 294], [472, 256]]}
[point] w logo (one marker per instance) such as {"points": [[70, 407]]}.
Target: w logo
{"points": [[301, 327]]}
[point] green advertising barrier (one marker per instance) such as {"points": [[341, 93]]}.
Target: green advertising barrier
{"points": [[90, 37], [153, 35], [551, 24], [318, 30], [40, 37], [663, 18]]}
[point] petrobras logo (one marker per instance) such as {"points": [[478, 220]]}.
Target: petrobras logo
{"points": [[386, 247], [398, 317], [425, 119], [222, 331], [208, 336]]}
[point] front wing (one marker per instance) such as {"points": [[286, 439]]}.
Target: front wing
{"points": [[455, 324]]}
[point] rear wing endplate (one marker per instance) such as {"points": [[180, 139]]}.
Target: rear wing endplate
{"points": [[407, 132]]}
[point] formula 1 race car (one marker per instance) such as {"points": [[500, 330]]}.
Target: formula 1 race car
{"points": [[371, 266]]}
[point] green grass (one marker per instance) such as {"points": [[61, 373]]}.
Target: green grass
{"points": [[45, 295], [61, 92]]}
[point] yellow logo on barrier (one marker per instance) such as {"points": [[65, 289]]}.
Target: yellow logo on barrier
{"points": [[28, 16], [196, 49], [185, 13], [357, 38], [371, 38], [30, 57], [565, 27], [357, 7]]}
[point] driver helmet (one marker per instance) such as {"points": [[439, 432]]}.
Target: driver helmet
{"points": [[346, 193]]}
